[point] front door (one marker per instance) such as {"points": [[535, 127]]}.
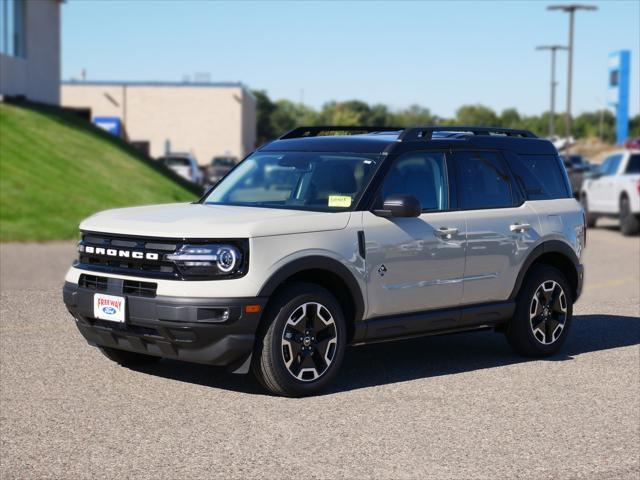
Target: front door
{"points": [[415, 264]]}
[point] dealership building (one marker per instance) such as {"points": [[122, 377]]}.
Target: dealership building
{"points": [[204, 118], [30, 50]]}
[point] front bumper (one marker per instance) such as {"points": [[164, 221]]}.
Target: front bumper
{"points": [[181, 328]]}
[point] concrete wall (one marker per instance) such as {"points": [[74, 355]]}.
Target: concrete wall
{"points": [[37, 76], [207, 120]]}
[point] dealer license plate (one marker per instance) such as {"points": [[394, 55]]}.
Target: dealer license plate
{"points": [[108, 307]]}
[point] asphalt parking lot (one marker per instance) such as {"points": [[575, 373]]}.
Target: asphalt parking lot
{"points": [[458, 406]]}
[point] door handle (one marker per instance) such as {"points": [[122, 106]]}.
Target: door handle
{"points": [[446, 231], [519, 227]]}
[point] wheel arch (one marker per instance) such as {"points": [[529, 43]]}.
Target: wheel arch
{"points": [[556, 254], [329, 274]]}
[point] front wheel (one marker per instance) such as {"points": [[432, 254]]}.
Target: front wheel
{"points": [[544, 310], [301, 345]]}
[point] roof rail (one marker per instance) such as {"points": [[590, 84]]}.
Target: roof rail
{"points": [[426, 133], [317, 130]]}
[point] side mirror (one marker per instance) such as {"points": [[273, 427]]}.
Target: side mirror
{"points": [[400, 206]]}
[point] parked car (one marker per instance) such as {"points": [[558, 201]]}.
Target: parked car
{"points": [[315, 242], [614, 191], [632, 143], [219, 167], [185, 165], [577, 167]]}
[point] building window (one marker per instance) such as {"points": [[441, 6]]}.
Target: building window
{"points": [[12, 28]]}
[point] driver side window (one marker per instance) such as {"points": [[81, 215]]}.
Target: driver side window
{"points": [[421, 174]]}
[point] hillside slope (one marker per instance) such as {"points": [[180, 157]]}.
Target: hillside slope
{"points": [[56, 169]]}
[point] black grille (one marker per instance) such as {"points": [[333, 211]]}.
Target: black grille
{"points": [[118, 287], [139, 289], [117, 255], [93, 282]]}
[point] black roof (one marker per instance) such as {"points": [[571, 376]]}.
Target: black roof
{"points": [[381, 139]]}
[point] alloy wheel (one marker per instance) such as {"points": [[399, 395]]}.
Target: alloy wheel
{"points": [[548, 312], [309, 341]]}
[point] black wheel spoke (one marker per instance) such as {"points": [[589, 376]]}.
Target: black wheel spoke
{"points": [[538, 324], [312, 313], [555, 297], [319, 361]]}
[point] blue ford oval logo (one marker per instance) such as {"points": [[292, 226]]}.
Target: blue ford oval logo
{"points": [[109, 310]]}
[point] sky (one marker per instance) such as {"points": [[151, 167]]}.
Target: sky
{"points": [[439, 54]]}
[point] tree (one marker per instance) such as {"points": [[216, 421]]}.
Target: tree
{"points": [[510, 118], [414, 115], [477, 115], [289, 115], [264, 112]]}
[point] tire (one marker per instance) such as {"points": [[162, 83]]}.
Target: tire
{"points": [[297, 359], [540, 327], [629, 223], [128, 359], [590, 217]]}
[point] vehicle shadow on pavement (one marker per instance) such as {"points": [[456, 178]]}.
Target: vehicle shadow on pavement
{"points": [[387, 363]]}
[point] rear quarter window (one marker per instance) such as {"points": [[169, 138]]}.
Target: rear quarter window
{"points": [[634, 164], [541, 177]]}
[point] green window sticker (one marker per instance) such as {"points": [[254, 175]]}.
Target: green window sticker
{"points": [[339, 201]]}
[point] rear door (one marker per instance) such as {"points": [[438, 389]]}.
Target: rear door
{"points": [[415, 264], [501, 227]]}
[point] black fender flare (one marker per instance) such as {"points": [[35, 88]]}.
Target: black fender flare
{"points": [[550, 246], [317, 262]]}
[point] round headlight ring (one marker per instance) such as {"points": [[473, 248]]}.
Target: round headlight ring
{"points": [[227, 259]]}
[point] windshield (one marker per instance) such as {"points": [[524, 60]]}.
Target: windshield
{"points": [[222, 162], [297, 180], [176, 161]]}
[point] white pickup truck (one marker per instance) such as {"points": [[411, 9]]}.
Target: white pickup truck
{"points": [[614, 191]]}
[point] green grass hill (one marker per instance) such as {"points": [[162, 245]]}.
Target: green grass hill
{"points": [[56, 169]]}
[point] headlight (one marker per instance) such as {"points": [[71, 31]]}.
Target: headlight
{"points": [[209, 260]]}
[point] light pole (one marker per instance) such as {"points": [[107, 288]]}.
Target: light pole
{"points": [[552, 117], [571, 10]]}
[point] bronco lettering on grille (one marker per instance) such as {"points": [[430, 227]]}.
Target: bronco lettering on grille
{"points": [[112, 252]]}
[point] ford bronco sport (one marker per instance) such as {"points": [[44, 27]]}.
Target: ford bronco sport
{"points": [[337, 236]]}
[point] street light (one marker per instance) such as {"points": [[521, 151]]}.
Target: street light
{"points": [[552, 116], [571, 10]]}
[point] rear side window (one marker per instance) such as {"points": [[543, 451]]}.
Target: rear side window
{"points": [[634, 164], [540, 176], [482, 181]]}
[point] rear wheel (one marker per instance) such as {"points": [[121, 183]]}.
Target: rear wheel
{"points": [[629, 223], [590, 217], [544, 310], [128, 359], [302, 344]]}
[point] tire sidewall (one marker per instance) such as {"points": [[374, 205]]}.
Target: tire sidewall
{"points": [[589, 217], [629, 223], [285, 306]]}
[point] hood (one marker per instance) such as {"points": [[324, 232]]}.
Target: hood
{"points": [[187, 220]]}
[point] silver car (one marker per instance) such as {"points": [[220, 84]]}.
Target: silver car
{"points": [[317, 241], [185, 165]]}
